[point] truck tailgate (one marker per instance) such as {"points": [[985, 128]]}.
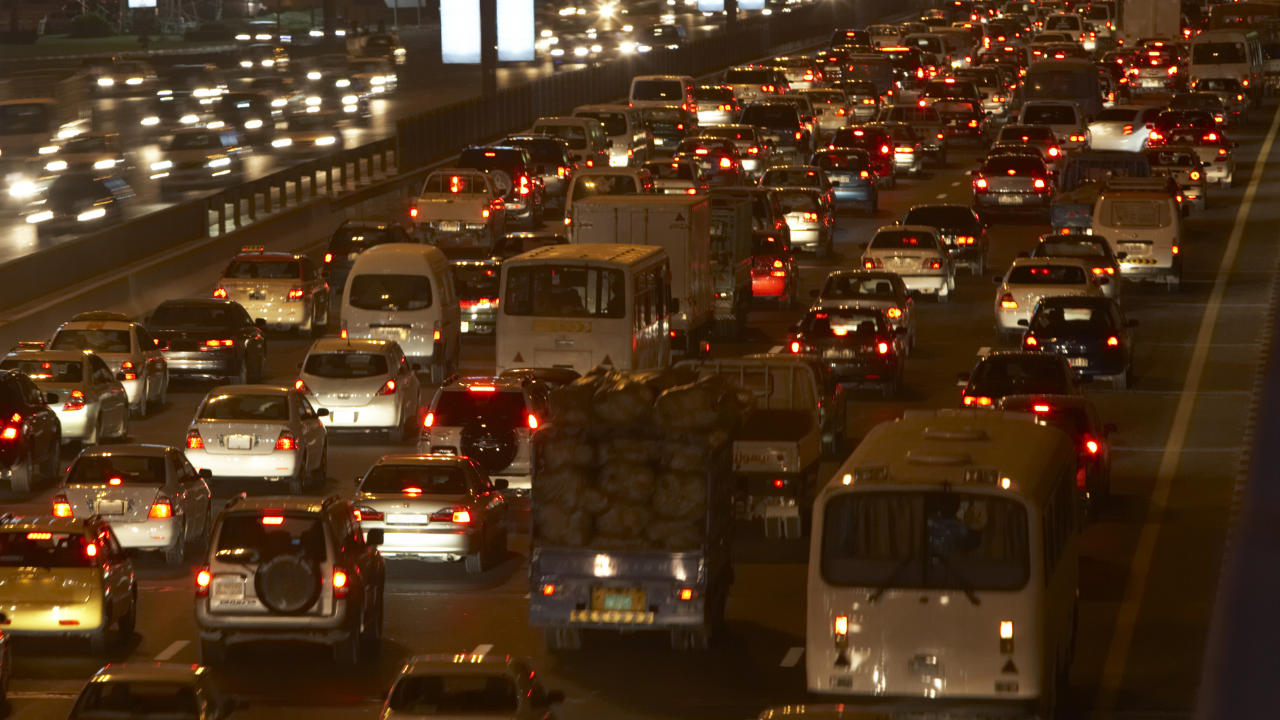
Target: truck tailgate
{"points": [[433, 208]]}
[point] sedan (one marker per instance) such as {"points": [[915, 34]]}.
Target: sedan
{"points": [[717, 104], [1235, 98], [209, 338], [150, 494], [153, 690], [873, 288], [856, 342], [1090, 332], [126, 347], [853, 180], [491, 686], [681, 175], [1215, 152], [85, 152], [1010, 183], [1093, 250], [440, 508], [754, 154], [1124, 128], [916, 254], [1030, 279], [260, 431], [1001, 373], [366, 385], [82, 391], [863, 98], [1040, 138], [811, 217], [310, 134], [718, 158], [960, 228], [1182, 163], [1076, 416]]}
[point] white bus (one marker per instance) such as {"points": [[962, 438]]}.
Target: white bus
{"points": [[579, 306], [943, 568]]}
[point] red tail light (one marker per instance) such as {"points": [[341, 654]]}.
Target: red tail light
{"points": [[286, 441], [339, 583], [841, 112], [127, 368], [1092, 446], [726, 163], [795, 347], [413, 213], [161, 509], [194, 441], [328, 258], [884, 149], [301, 387], [809, 216], [980, 184], [1032, 342], [1054, 152], [882, 347], [219, 343], [1113, 341], [220, 292], [429, 420], [978, 400], [1039, 184], [524, 185], [1211, 137], [203, 579], [562, 171], [1195, 174], [894, 313], [295, 294], [461, 516], [388, 388], [691, 191], [61, 507], [364, 513], [872, 264], [532, 421], [9, 433], [753, 150], [929, 264], [76, 402], [1008, 303]]}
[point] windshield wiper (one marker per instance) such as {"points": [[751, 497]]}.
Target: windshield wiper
{"points": [[888, 582], [965, 586]]}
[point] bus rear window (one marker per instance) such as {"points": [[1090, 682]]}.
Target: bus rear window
{"points": [[564, 291]]}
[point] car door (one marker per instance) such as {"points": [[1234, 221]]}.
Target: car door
{"points": [[44, 423], [193, 491], [113, 403], [155, 369], [309, 427], [117, 568]]}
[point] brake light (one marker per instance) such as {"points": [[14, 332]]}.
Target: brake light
{"points": [[9, 433], [161, 509], [980, 183], [295, 294], [76, 402], [1222, 151], [1211, 137], [795, 347], [339, 583], [691, 191], [726, 162], [1040, 408], [1039, 184], [841, 112], [127, 367], [921, 103], [979, 400], [220, 292], [286, 441], [62, 507], [219, 343], [482, 388], [884, 149], [864, 174], [965, 240], [1008, 303], [872, 264], [1175, 250], [753, 150], [301, 387], [929, 264], [429, 420], [1092, 446], [203, 578], [328, 258], [904, 150], [1195, 174], [1032, 342], [1113, 341], [273, 519], [809, 216], [882, 347], [548, 590], [194, 441], [364, 513], [1054, 152], [388, 388], [461, 516], [894, 313], [413, 213], [562, 171], [532, 421]]}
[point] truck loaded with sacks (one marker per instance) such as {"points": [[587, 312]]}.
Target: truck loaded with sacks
{"points": [[632, 506]]}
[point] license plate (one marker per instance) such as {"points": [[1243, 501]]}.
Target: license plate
{"points": [[110, 507], [624, 600], [1010, 199], [1078, 362], [257, 296], [841, 178], [837, 353], [449, 226], [231, 588], [407, 519], [1152, 83], [466, 326], [397, 334], [239, 442], [659, 141], [343, 416]]}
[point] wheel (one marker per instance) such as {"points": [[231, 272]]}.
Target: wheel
{"points": [[129, 622], [49, 470], [320, 325], [562, 638], [395, 435], [371, 638], [299, 477], [477, 562], [202, 542], [212, 652], [22, 474], [242, 377], [177, 552], [141, 409], [164, 392], [437, 371], [1232, 182], [498, 550]]}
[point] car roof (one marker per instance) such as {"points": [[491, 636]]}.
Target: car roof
{"points": [[287, 503], [457, 664], [422, 459], [252, 390], [333, 343], [141, 671], [131, 450], [913, 228], [198, 302]]}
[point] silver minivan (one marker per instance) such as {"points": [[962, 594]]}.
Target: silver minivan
{"points": [[585, 136], [629, 139]]}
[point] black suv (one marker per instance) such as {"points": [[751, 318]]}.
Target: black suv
{"points": [[552, 161], [514, 173], [210, 338], [780, 124], [291, 568], [959, 227], [352, 238], [30, 433]]}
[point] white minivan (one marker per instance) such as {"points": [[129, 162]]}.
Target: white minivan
{"points": [[628, 137], [405, 292], [1142, 223], [585, 137], [663, 91]]}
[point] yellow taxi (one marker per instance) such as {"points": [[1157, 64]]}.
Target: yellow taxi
{"points": [[285, 290], [65, 577]]}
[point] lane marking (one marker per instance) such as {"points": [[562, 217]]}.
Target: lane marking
{"points": [[955, 184], [1140, 567], [941, 196], [792, 657], [482, 649], [775, 349], [174, 648]]}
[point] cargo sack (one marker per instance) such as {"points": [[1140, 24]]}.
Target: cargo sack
{"points": [[618, 544], [684, 457], [627, 482], [623, 520], [709, 404], [680, 496], [558, 526], [571, 405], [594, 501], [621, 400], [562, 486], [676, 536], [641, 451], [563, 449]]}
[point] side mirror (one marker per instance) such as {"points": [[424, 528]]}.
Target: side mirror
{"points": [[1108, 429], [814, 293], [997, 280], [1131, 323], [1024, 323], [501, 483], [205, 473], [322, 412], [260, 323], [554, 696], [375, 536]]}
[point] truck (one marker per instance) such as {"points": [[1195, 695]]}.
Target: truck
{"points": [[680, 224], [731, 263], [798, 415], [36, 109], [459, 210], [1082, 179], [1149, 19]]}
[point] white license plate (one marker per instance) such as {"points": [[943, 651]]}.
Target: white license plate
{"points": [[1009, 199], [837, 353], [397, 334], [1078, 362], [239, 442], [228, 588], [407, 519], [343, 416], [1152, 83], [466, 326], [110, 507], [449, 226]]}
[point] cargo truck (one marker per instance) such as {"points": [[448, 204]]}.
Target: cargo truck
{"points": [[731, 263]]}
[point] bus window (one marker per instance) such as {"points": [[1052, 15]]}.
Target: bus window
{"points": [[565, 291]]}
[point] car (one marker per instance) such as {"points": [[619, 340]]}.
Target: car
{"points": [[877, 142], [209, 338], [767, 214], [864, 100], [873, 288], [811, 217], [126, 347], [78, 554], [121, 77], [960, 228], [1076, 416], [755, 82], [580, 48], [1028, 280], [291, 568], [86, 152], [347, 242], [1234, 97], [150, 495], [346, 95], [717, 105], [377, 73], [260, 431], [668, 126], [491, 685], [284, 290], [680, 175], [552, 161], [781, 125], [1040, 138], [1170, 122], [1092, 333], [249, 113], [916, 254], [1064, 118], [852, 178], [515, 175], [151, 689], [492, 421], [201, 158], [1207, 101], [908, 150], [832, 109], [441, 508], [1000, 373], [30, 432], [1123, 127], [1183, 164], [775, 274], [1008, 183], [1215, 151], [79, 202], [476, 282], [800, 70], [281, 91], [1156, 69], [89, 400], [993, 85], [719, 159], [856, 342], [754, 154], [807, 177], [366, 385], [928, 125], [309, 134], [1093, 250]]}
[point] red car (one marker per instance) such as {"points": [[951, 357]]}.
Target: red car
{"points": [[877, 141], [774, 273]]}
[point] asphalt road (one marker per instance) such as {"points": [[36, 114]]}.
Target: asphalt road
{"points": [[1149, 568]]}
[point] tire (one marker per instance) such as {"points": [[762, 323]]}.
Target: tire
{"points": [[395, 435], [129, 623], [176, 553], [320, 326], [299, 478], [437, 371], [371, 638], [477, 562], [347, 652], [557, 639], [322, 470], [23, 474], [164, 392], [212, 652]]}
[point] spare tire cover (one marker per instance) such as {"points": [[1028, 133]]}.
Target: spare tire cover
{"points": [[493, 447], [287, 583], [502, 181]]}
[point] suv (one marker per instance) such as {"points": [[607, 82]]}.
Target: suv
{"points": [[552, 161], [291, 568], [515, 175], [30, 432], [491, 421], [347, 242]]}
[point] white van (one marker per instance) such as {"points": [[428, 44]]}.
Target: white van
{"points": [[405, 292], [663, 91], [1142, 223], [585, 137], [628, 137], [1226, 54]]}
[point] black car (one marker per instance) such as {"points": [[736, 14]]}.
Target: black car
{"points": [[1008, 372], [198, 81], [513, 244], [250, 113], [1091, 333], [477, 285], [719, 159], [349, 97], [780, 124], [1076, 416], [552, 161], [30, 433], [669, 126], [960, 228], [352, 238], [514, 172], [80, 202], [857, 343], [210, 338], [964, 119]]}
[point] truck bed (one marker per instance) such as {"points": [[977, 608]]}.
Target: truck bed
{"points": [[442, 206], [776, 426]]}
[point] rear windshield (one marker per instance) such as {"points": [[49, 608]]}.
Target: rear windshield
{"points": [[415, 480], [747, 76], [454, 695], [264, 270], [359, 239], [1218, 53], [249, 408], [1071, 319], [565, 291], [958, 107], [1136, 213], [1018, 164], [614, 123], [45, 550], [174, 316], [548, 152], [1049, 115], [346, 365], [138, 699], [502, 408], [941, 217], [658, 90], [1019, 375], [101, 341], [575, 135], [841, 161], [1070, 248], [1025, 135], [772, 116], [792, 177], [941, 89], [842, 322], [46, 370], [903, 240], [1172, 158], [1198, 101], [1050, 275], [475, 283], [490, 159], [1219, 85], [663, 170], [117, 470], [797, 201], [664, 121], [728, 133], [258, 537], [853, 287], [585, 186], [85, 145], [390, 292], [1063, 22]]}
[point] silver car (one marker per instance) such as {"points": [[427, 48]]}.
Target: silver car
{"points": [[151, 496], [873, 288], [127, 348], [87, 397], [260, 431], [441, 508], [182, 690], [366, 385], [490, 686]]}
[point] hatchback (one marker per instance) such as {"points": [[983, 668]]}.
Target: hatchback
{"points": [[366, 385], [1092, 333], [1001, 373]]}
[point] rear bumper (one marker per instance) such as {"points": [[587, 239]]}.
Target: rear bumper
{"points": [[274, 464], [234, 628], [149, 535], [47, 619], [861, 373], [1028, 201], [277, 313], [925, 283], [849, 195], [383, 412], [201, 364], [806, 236], [768, 287], [76, 423], [426, 543]]}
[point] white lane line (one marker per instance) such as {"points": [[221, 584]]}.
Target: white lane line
{"points": [[34, 695], [792, 657], [172, 650], [482, 649], [775, 349], [1135, 588], [941, 196], [955, 184]]}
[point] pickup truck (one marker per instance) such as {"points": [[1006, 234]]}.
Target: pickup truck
{"points": [[1081, 182], [798, 415], [459, 209], [731, 264]]}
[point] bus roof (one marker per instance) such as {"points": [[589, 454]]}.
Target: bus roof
{"points": [[960, 448], [593, 252]]}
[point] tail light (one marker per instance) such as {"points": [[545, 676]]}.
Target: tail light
{"points": [[203, 579], [1008, 303], [286, 441], [1239, 97], [220, 292], [160, 509], [524, 184], [531, 421], [1032, 342], [980, 184], [809, 216], [562, 171], [864, 174], [941, 136], [61, 507], [884, 149], [295, 294], [218, 343], [301, 387], [127, 368], [1113, 341], [1211, 137], [1104, 271], [753, 150], [726, 163], [979, 400], [1174, 250], [429, 420], [9, 433], [388, 388], [366, 513], [1092, 446], [1128, 129], [413, 213], [339, 583], [592, 163], [841, 112], [1055, 152], [194, 441], [460, 516], [965, 240], [904, 150], [921, 103], [894, 313], [1076, 138], [882, 347], [691, 191], [328, 258], [795, 347], [1222, 151], [1039, 184], [76, 402], [484, 214], [973, 123], [872, 264], [723, 106], [930, 264], [799, 134], [868, 101]]}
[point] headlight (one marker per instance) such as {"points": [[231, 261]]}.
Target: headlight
{"points": [[627, 47], [202, 92], [580, 52], [262, 36], [253, 125], [400, 51], [24, 188], [93, 214], [378, 80], [313, 75], [220, 162], [279, 102], [104, 164], [342, 83], [316, 33], [190, 119], [39, 217], [151, 120], [268, 62], [326, 140], [242, 37], [349, 99], [282, 142], [596, 48], [246, 63], [645, 48], [56, 165], [49, 149], [545, 34], [163, 93], [350, 108], [106, 82], [557, 52], [162, 165], [133, 81], [313, 101], [216, 124]]}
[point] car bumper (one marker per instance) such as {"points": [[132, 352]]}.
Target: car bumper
{"points": [[479, 322], [768, 287], [201, 364], [1008, 319], [287, 314], [234, 627], [76, 424], [925, 283], [865, 113], [852, 195], [1218, 172], [52, 620], [861, 373], [425, 542], [1026, 201], [715, 117], [806, 235], [269, 465], [383, 412], [619, 159], [149, 535]]}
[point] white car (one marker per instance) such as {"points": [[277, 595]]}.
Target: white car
{"points": [[127, 348], [489, 686], [1123, 127], [89, 401], [152, 497], [1064, 118], [915, 253], [366, 385], [1030, 279], [260, 431]]}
